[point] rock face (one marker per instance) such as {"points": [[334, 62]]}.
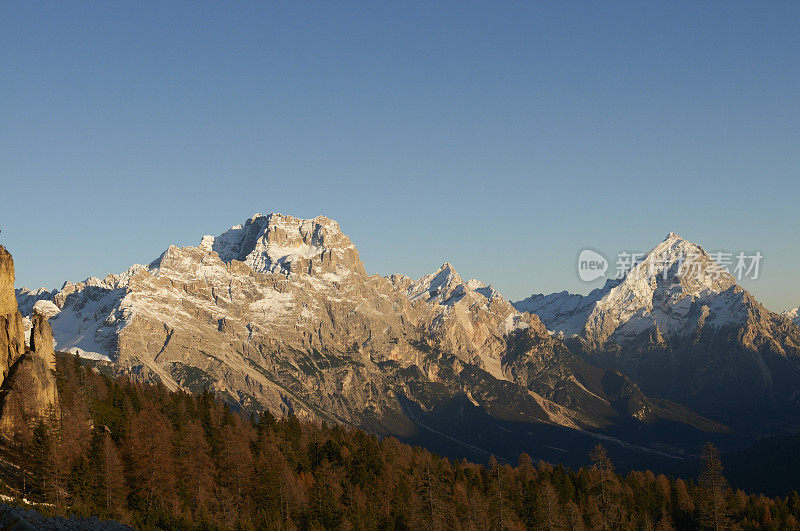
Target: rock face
{"points": [[8, 300], [12, 339], [28, 390], [681, 327], [280, 314]]}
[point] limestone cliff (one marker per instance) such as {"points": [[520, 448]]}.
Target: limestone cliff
{"points": [[28, 388], [12, 334]]}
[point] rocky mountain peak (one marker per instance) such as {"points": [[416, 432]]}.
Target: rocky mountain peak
{"points": [[660, 289], [443, 285], [288, 245], [446, 287], [677, 267], [663, 289], [679, 325]]}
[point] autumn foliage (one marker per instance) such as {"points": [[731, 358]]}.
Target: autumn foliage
{"points": [[152, 458]]}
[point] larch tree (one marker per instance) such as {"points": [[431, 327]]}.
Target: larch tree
{"points": [[549, 515], [150, 451], [197, 471], [713, 490]]}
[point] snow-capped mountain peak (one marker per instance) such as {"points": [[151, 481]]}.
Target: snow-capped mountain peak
{"points": [[443, 286], [793, 315], [288, 245], [659, 290]]}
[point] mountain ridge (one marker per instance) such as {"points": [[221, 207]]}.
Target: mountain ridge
{"points": [[279, 314]]}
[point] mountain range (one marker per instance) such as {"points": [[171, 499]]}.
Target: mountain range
{"points": [[280, 314]]}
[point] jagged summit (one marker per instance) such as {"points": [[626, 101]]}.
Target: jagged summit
{"points": [[657, 290], [442, 285], [280, 243], [445, 286]]}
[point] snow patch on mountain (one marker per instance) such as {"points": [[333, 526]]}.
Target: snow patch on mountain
{"points": [[89, 321], [563, 312], [273, 303], [26, 299]]}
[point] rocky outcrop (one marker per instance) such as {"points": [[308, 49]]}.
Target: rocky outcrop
{"points": [[28, 389], [27, 299], [12, 332], [22, 519]]}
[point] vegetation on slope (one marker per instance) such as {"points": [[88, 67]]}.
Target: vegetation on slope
{"points": [[150, 458]]}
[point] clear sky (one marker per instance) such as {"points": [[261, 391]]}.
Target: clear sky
{"points": [[503, 137]]}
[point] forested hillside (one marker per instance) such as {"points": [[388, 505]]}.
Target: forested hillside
{"points": [[147, 457]]}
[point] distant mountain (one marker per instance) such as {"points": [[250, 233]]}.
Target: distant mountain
{"points": [[793, 315], [680, 326], [279, 314]]}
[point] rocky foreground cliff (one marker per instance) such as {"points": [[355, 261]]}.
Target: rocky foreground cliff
{"points": [[28, 387]]}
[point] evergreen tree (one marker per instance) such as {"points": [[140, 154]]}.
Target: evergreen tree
{"points": [[549, 513], [197, 472], [109, 472], [713, 490], [152, 466]]}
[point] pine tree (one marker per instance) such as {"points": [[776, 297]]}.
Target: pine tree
{"points": [[433, 507], [197, 472], [275, 493], [110, 477], [235, 466], [713, 490], [152, 464], [549, 515], [325, 498]]}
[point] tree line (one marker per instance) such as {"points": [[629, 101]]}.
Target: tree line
{"points": [[151, 458]]}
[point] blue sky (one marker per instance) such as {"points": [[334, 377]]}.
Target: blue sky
{"points": [[502, 137]]}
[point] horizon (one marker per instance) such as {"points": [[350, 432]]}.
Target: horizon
{"points": [[503, 141]]}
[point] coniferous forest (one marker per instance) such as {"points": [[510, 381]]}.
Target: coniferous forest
{"points": [[150, 458]]}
